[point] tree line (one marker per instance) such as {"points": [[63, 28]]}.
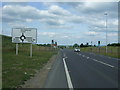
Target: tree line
{"points": [[114, 44], [83, 45]]}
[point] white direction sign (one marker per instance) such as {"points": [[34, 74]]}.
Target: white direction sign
{"points": [[24, 35]]}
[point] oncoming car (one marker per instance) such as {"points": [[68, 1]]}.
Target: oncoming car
{"points": [[77, 50]]}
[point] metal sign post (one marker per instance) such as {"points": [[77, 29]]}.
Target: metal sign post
{"points": [[16, 48], [31, 50]]}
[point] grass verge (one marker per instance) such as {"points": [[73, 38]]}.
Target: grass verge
{"points": [[17, 69], [111, 51]]}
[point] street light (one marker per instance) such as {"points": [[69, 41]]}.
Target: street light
{"points": [[106, 28]]}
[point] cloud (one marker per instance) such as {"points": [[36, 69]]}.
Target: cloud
{"points": [[113, 34], [48, 34], [97, 8], [65, 36], [53, 21], [19, 13], [25, 12], [61, 1], [91, 33], [58, 10], [63, 16], [54, 16], [59, 27], [92, 13]]}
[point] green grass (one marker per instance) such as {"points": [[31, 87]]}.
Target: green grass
{"points": [[112, 51], [17, 69]]}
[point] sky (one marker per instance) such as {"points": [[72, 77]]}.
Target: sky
{"points": [[65, 22]]}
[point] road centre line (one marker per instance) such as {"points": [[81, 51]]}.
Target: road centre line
{"points": [[103, 63], [64, 54], [68, 76], [88, 57], [83, 55], [99, 61]]}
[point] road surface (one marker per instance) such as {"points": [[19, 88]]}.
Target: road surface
{"points": [[83, 70]]}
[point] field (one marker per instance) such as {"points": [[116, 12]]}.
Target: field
{"points": [[18, 68], [112, 51]]}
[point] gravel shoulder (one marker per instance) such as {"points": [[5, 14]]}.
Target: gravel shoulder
{"points": [[40, 77]]}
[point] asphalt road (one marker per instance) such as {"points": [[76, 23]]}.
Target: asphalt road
{"points": [[83, 70]]}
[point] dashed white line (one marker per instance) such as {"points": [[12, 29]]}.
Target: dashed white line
{"points": [[88, 57], [103, 63], [83, 55], [68, 76], [99, 61], [64, 55]]}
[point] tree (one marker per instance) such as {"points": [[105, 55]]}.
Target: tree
{"points": [[114, 44], [81, 45], [87, 44], [94, 45], [75, 45], [48, 45]]}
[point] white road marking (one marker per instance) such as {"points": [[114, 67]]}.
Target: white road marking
{"points": [[66, 57], [88, 57], [83, 55], [103, 63], [68, 76], [99, 61]]}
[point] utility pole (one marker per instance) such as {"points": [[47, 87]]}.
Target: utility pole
{"points": [[106, 28]]}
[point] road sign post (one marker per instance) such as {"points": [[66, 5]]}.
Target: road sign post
{"points": [[31, 50], [16, 48]]}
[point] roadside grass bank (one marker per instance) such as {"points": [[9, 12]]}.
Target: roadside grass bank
{"points": [[112, 51], [16, 69]]}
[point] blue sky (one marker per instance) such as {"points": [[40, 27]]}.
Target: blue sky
{"points": [[65, 22]]}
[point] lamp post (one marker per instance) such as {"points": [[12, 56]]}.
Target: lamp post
{"points": [[106, 28]]}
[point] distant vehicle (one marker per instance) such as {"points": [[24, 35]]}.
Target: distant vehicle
{"points": [[77, 50]]}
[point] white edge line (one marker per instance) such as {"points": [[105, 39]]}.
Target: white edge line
{"points": [[67, 75]]}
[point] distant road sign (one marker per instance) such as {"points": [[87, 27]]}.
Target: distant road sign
{"points": [[24, 35]]}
